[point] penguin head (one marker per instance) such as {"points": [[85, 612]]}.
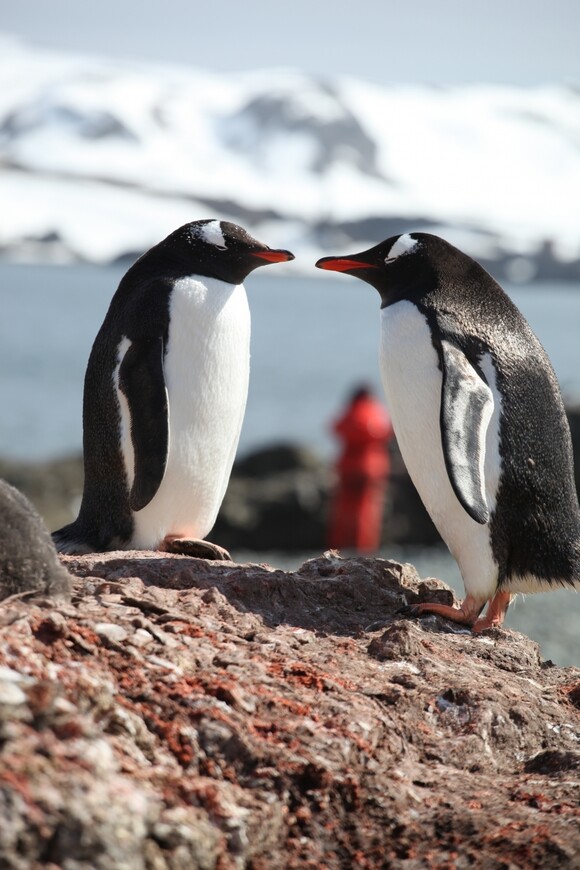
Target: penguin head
{"points": [[400, 267], [217, 249]]}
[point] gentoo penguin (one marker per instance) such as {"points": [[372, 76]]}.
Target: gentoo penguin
{"points": [[28, 560], [479, 420], [165, 394]]}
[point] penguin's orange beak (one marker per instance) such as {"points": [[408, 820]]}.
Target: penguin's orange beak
{"points": [[342, 264], [274, 256]]}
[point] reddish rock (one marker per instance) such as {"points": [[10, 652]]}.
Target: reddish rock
{"points": [[181, 713]]}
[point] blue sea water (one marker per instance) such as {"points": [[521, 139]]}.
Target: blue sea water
{"points": [[313, 339]]}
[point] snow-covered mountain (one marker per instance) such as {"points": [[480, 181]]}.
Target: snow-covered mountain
{"points": [[100, 159]]}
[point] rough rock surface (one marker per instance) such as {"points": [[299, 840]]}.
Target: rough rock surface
{"points": [[186, 714]]}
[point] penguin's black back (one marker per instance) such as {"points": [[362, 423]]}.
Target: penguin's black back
{"points": [[138, 311], [535, 527]]}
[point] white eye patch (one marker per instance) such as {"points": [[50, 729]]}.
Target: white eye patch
{"points": [[404, 245], [212, 233]]}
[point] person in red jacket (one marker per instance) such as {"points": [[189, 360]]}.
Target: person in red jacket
{"points": [[362, 469]]}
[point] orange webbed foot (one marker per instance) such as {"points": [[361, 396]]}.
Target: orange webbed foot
{"points": [[466, 614], [495, 613]]}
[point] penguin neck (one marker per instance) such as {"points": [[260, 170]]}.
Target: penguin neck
{"points": [[416, 293], [402, 283], [208, 293]]}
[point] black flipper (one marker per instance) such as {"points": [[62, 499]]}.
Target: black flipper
{"points": [[142, 381], [466, 408]]}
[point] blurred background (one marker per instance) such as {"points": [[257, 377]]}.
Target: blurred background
{"points": [[320, 129]]}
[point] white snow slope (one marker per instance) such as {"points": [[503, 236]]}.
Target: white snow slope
{"points": [[100, 159]]}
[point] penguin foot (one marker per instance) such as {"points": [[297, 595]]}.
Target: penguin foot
{"points": [[196, 548], [495, 613], [466, 614]]}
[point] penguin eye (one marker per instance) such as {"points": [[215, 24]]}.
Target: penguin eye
{"points": [[390, 259], [221, 247]]}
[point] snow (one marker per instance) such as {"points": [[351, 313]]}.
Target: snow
{"points": [[96, 222], [110, 155]]}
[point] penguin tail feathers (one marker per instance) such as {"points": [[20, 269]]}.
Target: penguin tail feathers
{"points": [[69, 541]]}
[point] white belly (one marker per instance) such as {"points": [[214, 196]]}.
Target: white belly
{"points": [[207, 372], [412, 382]]}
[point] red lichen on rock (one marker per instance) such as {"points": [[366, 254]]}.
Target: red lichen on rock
{"points": [[185, 713]]}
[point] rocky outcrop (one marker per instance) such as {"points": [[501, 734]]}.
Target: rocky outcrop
{"points": [[186, 714]]}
